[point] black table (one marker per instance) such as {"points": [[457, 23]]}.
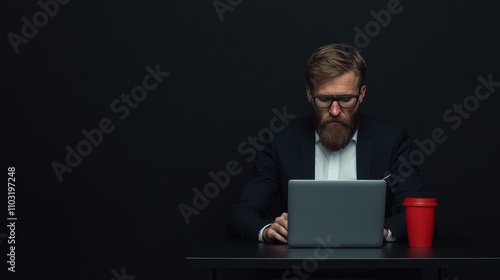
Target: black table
{"points": [[447, 252]]}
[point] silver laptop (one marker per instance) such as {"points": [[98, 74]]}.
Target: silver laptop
{"points": [[326, 213]]}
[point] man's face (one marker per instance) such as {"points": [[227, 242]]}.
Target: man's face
{"points": [[336, 125]]}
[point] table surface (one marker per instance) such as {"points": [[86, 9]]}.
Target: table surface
{"points": [[447, 252]]}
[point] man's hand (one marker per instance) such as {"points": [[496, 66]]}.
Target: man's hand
{"points": [[385, 233], [277, 232]]}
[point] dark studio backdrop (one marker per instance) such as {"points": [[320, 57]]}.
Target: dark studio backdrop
{"points": [[222, 71]]}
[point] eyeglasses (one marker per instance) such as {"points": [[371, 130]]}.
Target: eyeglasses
{"points": [[345, 101]]}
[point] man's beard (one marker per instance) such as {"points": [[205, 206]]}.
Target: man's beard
{"points": [[335, 132]]}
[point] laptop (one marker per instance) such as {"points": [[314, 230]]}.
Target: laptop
{"points": [[339, 213]]}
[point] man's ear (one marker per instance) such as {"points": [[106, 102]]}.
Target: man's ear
{"points": [[308, 93], [362, 92]]}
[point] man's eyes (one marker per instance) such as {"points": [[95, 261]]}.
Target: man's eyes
{"points": [[324, 99], [343, 99]]}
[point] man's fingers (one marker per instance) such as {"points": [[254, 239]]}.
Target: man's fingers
{"points": [[275, 235], [285, 215], [282, 221], [277, 227], [278, 231], [281, 239]]}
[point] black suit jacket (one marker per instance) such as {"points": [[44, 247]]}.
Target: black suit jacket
{"points": [[381, 149]]}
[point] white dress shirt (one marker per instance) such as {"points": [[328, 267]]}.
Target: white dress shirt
{"points": [[338, 165]]}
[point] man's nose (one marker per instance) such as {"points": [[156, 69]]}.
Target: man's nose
{"points": [[335, 108]]}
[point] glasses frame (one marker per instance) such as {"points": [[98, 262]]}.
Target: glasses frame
{"points": [[335, 98]]}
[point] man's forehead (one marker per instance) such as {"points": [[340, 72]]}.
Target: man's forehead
{"points": [[338, 85], [321, 94], [346, 78], [337, 91]]}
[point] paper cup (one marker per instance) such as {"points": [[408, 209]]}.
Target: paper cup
{"points": [[420, 213]]}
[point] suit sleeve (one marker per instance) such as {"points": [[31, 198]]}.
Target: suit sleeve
{"points": [[404, 182], [247, 216]]}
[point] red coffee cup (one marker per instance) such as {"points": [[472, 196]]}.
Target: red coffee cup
{"points": [[420, 213]]}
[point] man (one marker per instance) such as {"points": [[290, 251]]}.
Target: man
{"points": [[336, 143]]}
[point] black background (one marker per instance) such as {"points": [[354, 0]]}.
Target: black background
{"points": [[119, 207]]}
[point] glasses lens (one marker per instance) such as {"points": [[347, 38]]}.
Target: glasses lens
{"points": [[347, 102], [322, 102], [344, 102]]}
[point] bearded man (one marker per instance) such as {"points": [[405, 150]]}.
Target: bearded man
{"points": [[337, 142]]}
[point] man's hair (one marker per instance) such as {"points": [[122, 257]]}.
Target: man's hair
{"points": [[331, 61]]}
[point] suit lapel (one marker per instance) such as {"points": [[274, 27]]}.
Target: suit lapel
{"points": [[363, 150]]}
